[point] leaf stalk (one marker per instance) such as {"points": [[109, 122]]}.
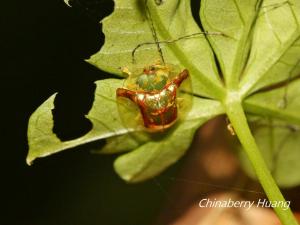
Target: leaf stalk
{"points": [[239, 122]]}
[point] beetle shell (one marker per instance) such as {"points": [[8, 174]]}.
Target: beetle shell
{"points": [[151, 98]]}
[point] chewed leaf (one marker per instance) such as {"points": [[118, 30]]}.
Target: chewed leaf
{"points": [[275, 43], [279, 143], [234, 19], [42, 140], [255, 43], [106, 121], [154, 156], [172, 20], [282, 103]]}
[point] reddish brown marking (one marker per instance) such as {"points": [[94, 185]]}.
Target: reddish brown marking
{"points": [[167, 115], [181, 77], [122, 92]]}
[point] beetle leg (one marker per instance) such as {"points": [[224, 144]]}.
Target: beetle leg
{"points": [[122, 92], [181, 77]]}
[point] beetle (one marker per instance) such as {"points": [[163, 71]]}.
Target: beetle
{"points": [[154, 91]]}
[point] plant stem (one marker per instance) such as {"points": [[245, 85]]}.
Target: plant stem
{"points": [[239, 122]]}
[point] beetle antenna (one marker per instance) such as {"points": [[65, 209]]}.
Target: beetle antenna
{"points": [[154, 34], [171, 41]]}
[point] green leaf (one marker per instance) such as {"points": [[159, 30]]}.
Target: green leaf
{"points": [[256, 46], [234, 19], [275, 45], [287, 67], [123, 143], [202, 108], [43, 142], [282, 103], [279, 143], [154, 156], [172, 20]]}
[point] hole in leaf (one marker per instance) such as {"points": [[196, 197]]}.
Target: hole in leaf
{"points": [[71, 106], [94, 9], [195, 5]]}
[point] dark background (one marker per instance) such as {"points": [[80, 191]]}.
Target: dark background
{"points": [[43, 44]]}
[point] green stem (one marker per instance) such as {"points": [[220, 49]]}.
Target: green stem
{"points": [[239, 122]]}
